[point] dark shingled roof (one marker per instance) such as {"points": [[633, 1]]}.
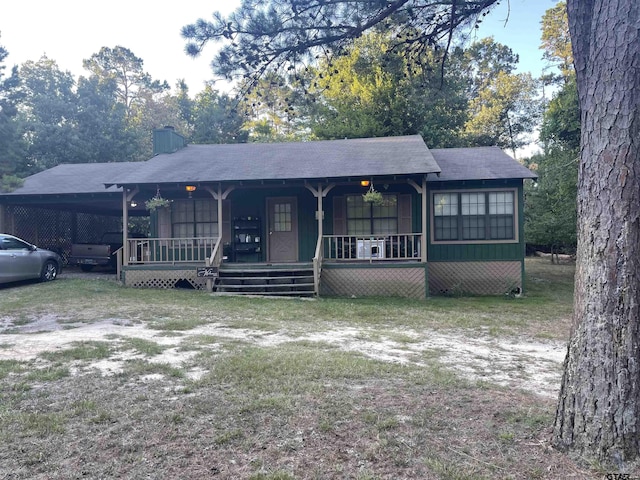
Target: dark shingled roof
{"points": [[74, 179], [477, 163], [281, 161], [406, 155]]}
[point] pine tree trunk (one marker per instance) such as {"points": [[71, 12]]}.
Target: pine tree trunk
{"points": [[598, 412]]}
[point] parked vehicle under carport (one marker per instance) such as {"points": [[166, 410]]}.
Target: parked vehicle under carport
{"points": [[20, 260]]}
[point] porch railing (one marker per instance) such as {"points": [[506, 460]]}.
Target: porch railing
{"points": [[371, 248], [172, 250]]}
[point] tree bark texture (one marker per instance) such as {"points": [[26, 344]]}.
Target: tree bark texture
{"points": [[598, 412]]}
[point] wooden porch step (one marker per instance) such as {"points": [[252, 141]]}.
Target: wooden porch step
{"points": [[267, 278], [266, 286], [267, 294], [265, 270], [263, 279], [300, 290]]}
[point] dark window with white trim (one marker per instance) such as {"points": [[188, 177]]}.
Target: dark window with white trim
{"points": [[366, 218], [474, 216]]}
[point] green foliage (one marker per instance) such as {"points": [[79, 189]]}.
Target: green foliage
{"points": [[561, 120], [504, 111], [372, 91], [268, 106], [556, 40], [551, 205], [551, 210], [374, 197], [8, 183], [503, 107], [102, 123], [145, 102], [105, 117], [11, 147], [121, 66], [485, 59], [157, 202], [214, 119], [276, 35], [49, 116]]}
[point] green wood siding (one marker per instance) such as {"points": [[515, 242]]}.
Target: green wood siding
{"points": [[252, 202], [445, 252], [307, 225]]}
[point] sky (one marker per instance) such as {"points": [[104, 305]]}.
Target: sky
{"points": [[69, 31]]}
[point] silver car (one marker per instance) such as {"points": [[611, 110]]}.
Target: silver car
{"points": [[20, 260]]}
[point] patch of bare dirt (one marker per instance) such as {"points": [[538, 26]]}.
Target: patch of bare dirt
{"points": [[529, 365]]}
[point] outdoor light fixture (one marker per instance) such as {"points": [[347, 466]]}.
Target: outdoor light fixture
{"points": [[133, 204], [364, 183], [190, 189]]}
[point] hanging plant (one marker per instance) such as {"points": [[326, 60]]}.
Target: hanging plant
{"points": [[373, 196], [156, 202]]}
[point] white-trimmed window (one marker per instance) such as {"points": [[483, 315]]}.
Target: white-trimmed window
{"points": [[194, 218], [474, 216]]}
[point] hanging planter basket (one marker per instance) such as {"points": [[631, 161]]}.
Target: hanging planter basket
{"points": [[157, 202], [372, 196]]}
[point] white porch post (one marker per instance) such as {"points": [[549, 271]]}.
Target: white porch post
{"points": [[125, 227], [127, 196], [425, 218], [422, 190], [219, 205], [218, 195], [320, 211], [320, 193]]}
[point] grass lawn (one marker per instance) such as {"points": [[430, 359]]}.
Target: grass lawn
{"points": [[101, 381]]}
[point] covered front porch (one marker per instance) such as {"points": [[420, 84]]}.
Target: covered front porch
{"points": [[206, 227], [344, 265]]}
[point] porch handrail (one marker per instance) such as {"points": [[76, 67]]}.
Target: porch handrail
{"points": [[216, 254], [401, 246], [119, 253], [171, 250], [317, 266]]}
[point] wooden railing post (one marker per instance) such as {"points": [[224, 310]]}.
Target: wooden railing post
{"points": [[118, 254]]}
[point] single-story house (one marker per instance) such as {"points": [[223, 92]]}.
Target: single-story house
{"points": [[354, 217]]}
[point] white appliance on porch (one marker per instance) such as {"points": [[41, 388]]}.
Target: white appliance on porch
{"points": [[370, 249]]}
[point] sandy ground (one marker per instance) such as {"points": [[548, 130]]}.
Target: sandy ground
{"points": [[529, 365]]}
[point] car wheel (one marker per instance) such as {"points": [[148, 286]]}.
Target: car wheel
{"points": [[86, 268], [49, 271]]}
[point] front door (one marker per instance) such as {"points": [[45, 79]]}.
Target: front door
{"points": [[283, 229]]}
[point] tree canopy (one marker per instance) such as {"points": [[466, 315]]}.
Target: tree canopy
{"points": [[556, 40], [11, 146], [278, 35]]}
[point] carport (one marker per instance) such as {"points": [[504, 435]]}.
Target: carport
{"points": [[67, 204]]}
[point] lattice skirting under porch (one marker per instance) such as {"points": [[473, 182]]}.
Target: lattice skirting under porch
{"points": [[179, 278], [478, 278], [374, 280]]}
